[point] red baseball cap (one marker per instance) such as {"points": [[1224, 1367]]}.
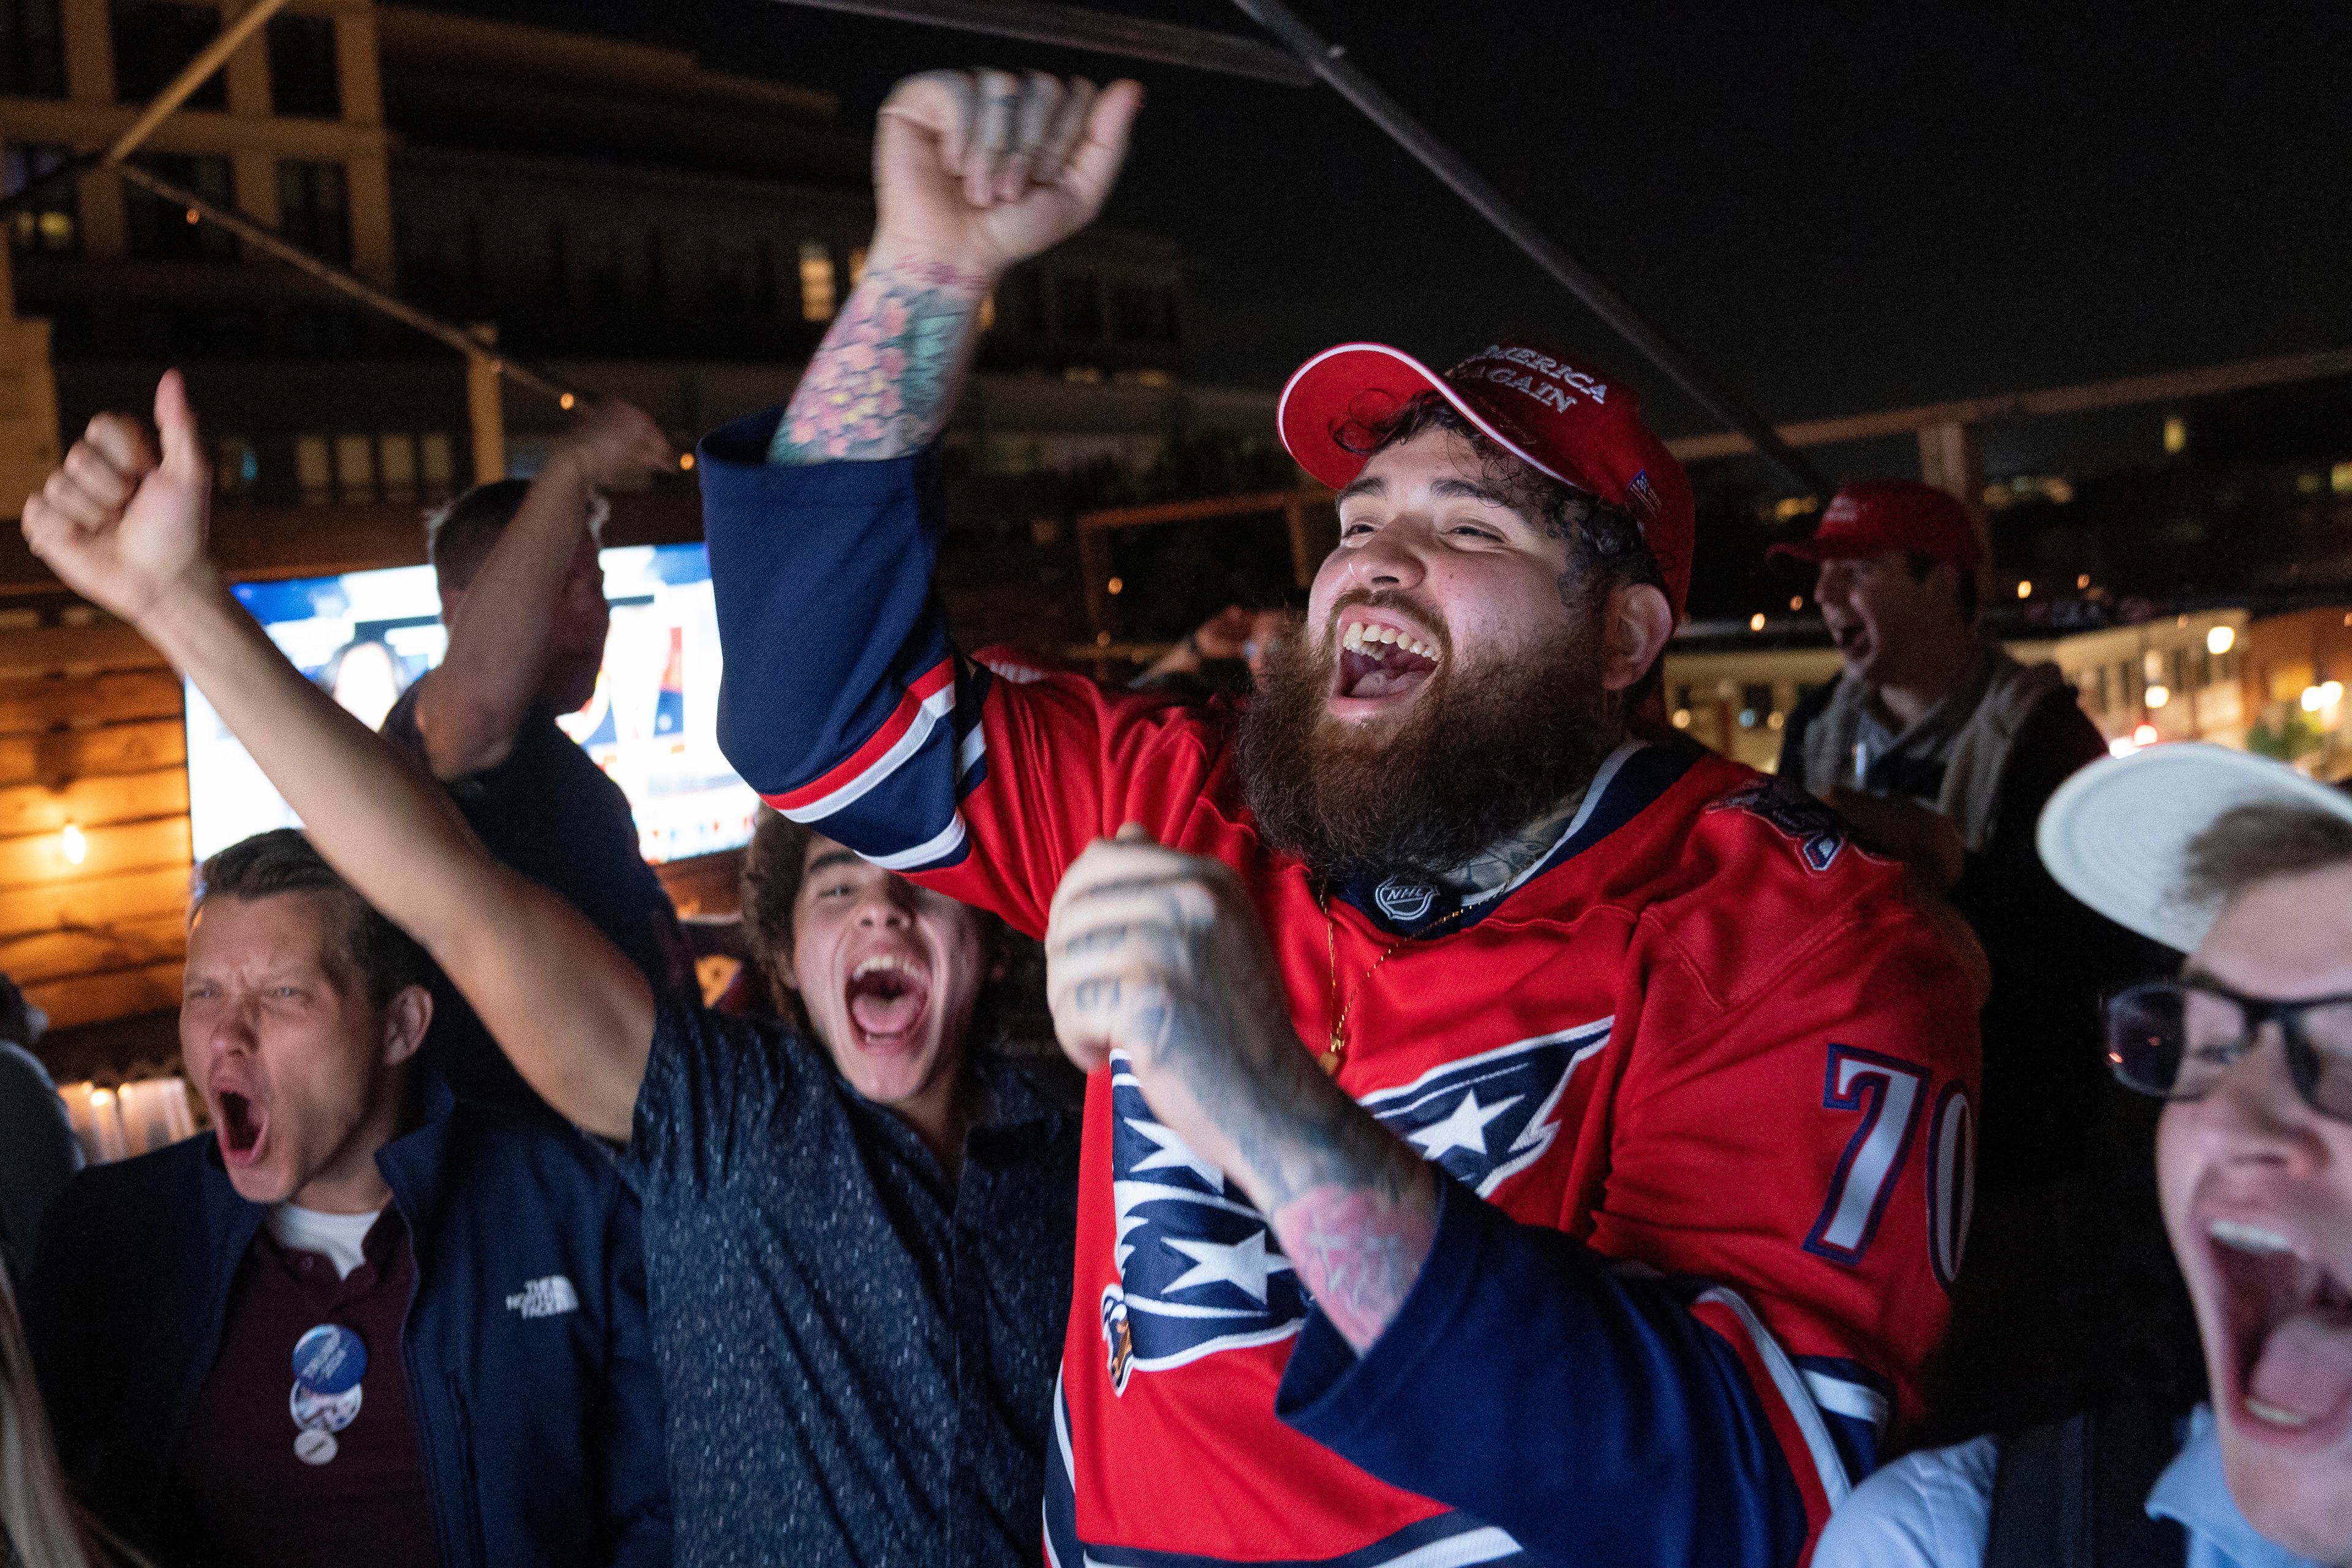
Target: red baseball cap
{"points": [[1557, 415], [1871, 516]]}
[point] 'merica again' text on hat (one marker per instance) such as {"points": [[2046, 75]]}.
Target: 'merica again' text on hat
{"points": [[1561, 418]]}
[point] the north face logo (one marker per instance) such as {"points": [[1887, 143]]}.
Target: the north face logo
{"points": [[549, 1297]]}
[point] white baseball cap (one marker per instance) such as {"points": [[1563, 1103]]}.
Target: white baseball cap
{"points": [[2116, 834]]}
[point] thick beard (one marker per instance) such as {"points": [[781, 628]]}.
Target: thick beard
{"points": [[1485, 752]]}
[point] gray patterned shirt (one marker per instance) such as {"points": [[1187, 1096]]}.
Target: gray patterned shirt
{"points": [[857, 1354]]}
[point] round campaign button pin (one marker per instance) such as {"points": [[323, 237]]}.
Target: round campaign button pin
{"points": [[329, 1359], [315, 1448], [315, 1411]]}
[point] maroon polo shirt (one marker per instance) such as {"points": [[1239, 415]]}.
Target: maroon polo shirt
{"points": [[255, 1501]]}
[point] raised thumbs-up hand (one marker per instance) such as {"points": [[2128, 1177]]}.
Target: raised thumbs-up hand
{"points": [[120, 528]]}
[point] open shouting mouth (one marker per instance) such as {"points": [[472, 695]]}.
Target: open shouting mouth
{"points": [[888, 995], [1379, 658], [242, 1123], [2288, 1319]]}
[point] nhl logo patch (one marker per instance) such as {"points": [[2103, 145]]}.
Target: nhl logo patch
{"points": [[1405, 902]]}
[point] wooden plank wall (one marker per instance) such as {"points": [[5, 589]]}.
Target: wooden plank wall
{"points": [[91, 735]]}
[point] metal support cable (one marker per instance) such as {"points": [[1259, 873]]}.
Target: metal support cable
{"points": [[1072, 27], [1330, 62]]}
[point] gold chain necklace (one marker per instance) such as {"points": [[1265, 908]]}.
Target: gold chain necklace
{"points": [[1329, 1060]]}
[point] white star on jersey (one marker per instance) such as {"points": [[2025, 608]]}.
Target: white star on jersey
{"points": [[1240, 1264], [1174, 1153], [1464, 1128]]}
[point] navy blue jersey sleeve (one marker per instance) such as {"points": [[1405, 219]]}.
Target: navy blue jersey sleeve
{"points": [[842, 704], [1584, 1411]]}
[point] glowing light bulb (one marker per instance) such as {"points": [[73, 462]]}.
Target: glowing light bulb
{"points": [[1796, 601], [2158, 696], [2143, 735], [1756, 621], [2312, 698], [566, 401], [2083, 581], [102, 1097], [1681, 718], [2221, 640], [2330, 692], [2025, 590], [685, 461], [72, 845], [1116, 585]]}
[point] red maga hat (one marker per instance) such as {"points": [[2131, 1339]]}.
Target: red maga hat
{"points": [[1561, 418], [1872, 517]]}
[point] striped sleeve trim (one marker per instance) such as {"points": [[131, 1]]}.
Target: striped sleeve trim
{"points": [[927, 701]]}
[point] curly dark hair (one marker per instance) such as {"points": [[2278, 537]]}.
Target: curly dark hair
{"points": [[1011, 1008]]}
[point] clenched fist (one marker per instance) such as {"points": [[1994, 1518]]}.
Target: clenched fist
{"points": [[980, 170], [122, 528]]}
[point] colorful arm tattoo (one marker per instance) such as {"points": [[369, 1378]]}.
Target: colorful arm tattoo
{"points": [[882, 383]]}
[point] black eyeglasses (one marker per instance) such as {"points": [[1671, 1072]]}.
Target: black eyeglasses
{"points": [[2175, 1039]]}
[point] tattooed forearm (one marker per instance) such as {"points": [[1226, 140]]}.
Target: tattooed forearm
{"points": [[1161, 956], [884, 380], [1358, 1252]]}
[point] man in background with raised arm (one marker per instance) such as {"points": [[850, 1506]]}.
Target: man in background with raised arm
{"points": [[1570, 1170], [523, 597]]}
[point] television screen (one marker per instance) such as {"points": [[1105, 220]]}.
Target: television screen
{"points": [[651, 725]]}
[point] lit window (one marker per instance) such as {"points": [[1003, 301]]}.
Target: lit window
{"points": [[355, 470], [437, 465], [314, 469], [396, 452], [816, 283]]}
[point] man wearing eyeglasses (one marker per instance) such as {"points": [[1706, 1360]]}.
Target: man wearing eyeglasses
{"points": [[2247, 866]]}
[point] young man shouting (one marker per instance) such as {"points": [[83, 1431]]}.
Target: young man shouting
{"points": [[857, 1247], [2246, 866], [1628, 1000]]}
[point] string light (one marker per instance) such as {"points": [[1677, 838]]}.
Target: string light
{"points": [[72, 845], [2025, 589], [1116, 585], [194, 216], [2221, 640], [686, 461], [565, 402], [1756, 621], [2083, 581], [1796, 601]]}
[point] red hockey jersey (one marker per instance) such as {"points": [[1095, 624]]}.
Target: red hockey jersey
{"points": [[1707, 1035]]}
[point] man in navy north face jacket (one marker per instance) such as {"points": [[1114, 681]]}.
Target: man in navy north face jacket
{"points": [[360, 1320]]}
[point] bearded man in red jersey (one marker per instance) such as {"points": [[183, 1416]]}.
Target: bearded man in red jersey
{"points": [[1508, 1139]]}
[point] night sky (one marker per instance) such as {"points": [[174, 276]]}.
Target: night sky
{"points": [[1837, 208]]}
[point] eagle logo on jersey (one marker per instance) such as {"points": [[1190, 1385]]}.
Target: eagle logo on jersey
{"points": [[1487, 1118], [1199, 1268], [1812, 826]]}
